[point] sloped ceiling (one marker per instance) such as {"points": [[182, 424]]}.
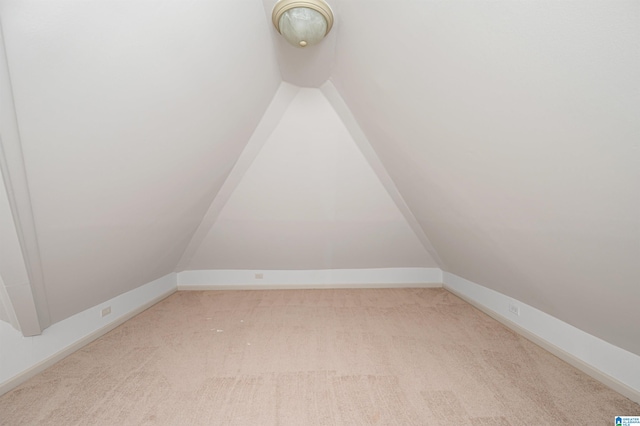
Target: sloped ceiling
{"points": [[512, 131], [131, 114], [509, 128]]}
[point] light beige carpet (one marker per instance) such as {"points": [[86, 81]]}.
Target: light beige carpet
{"points": [[313, 357]]}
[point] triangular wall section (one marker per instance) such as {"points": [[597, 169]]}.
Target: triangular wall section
{"points": [[309, 200]]}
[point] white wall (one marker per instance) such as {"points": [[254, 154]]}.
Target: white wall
{"points": [[17, 305], [310, 200], [511, 131], [8, 237], [7, 313], [131, 115]]}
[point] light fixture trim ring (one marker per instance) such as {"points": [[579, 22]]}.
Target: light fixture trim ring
{"points": [[318, 5]]}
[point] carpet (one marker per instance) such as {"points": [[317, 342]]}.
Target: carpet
{"points": [[312, 357]]}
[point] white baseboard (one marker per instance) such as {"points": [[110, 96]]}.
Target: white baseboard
{"points": [[609, 364], [303, 286], [23, 357], [309, 279]]}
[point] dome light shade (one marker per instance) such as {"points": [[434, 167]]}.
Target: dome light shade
{"points": [[302, 22]]}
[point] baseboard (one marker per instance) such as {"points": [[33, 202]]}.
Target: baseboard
{"points": [[304, 286], [219, 279], [630, 364], [77, 343]]}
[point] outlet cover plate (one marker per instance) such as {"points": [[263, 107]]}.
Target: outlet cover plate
{"points": [[514, 309]]}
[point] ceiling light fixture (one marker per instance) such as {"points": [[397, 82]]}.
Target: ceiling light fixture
{"points": [[302, 22]]}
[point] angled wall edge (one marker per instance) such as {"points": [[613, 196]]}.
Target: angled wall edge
{"points": [[342, 109], [270, 119], [29, 296]]}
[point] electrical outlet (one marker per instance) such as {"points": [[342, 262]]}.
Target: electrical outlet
{"points": [[259, 276], [514, 309], [105, 311]]}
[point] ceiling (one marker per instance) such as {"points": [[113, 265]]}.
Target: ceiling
{"points": [[145, 137]]}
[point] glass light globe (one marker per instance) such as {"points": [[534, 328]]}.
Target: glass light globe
{"points": [[302, 26]]}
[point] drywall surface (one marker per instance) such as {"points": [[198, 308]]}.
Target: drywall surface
{"points": [[7, 313], [17, 306], [22, 357], [341, 108], [321, 278], [131, 115], [511, 131], [310, 200], [269, 121], [11, 264]]}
